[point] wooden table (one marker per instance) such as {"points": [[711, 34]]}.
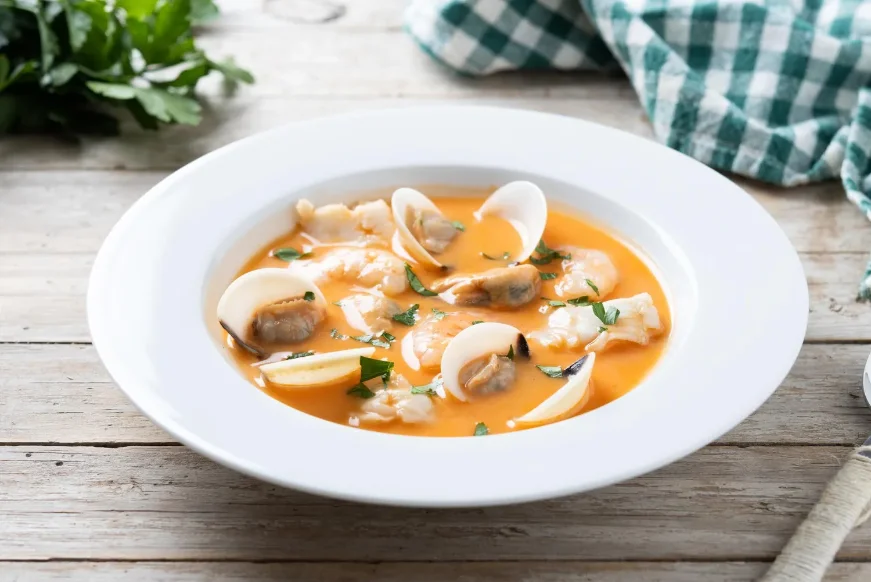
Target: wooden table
{"points": [[91, 490]]}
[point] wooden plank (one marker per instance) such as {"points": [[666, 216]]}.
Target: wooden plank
{"points": [[42, 295], [420, 572], [293, 15], [61, 394], [228, 120], [168, 503]]}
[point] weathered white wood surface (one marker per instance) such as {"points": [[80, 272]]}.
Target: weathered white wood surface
{"points": [[90, 484]]}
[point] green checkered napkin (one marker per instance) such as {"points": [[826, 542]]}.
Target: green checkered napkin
{"points": [[775, 90]]}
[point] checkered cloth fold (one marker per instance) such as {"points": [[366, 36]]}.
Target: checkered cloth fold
{"points": [[774, 90]]}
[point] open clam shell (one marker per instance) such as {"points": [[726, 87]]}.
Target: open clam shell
{"points": [[568, 400], [523, 205], [240, 303], [316, 371], [474, 342], [405, 203]]}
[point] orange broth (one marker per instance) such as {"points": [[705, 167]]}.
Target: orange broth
{"points": [[618, 369]]}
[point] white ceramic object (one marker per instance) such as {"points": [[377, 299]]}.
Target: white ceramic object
{"points": [[728, 351]]}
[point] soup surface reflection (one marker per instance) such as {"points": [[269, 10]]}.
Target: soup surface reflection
{"points": [[583, 291]]}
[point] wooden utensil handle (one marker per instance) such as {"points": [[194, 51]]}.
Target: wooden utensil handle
{"points": [[845, 503]]}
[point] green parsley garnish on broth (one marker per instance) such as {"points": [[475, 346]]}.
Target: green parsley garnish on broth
{"points": [[309, 296], [592, 286], [298, 355], [371, 339], [361, 391], [372, 368], [481, 429], [510, 354], [416, 284], [458, 225], [554, 302], [546, 254], [608, 316], [547, 276], [438, 314], [407, 316], [579, 301], [334, 333], [289, 254], [430, 389], [477, 321], [505, 256], [337, 303], [388, 336], [602, 329], [551, 371]]}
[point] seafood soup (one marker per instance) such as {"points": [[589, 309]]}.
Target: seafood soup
{"points": [[445, 312]]}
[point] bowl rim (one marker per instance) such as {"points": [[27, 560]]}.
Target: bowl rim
{"points": [[696, 207]]}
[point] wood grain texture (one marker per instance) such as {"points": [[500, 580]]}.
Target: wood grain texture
{"points": [[722, 503], [418, 572], [61, 394]]}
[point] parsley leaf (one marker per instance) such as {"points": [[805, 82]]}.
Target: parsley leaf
{"points": [[547, 276], [371, 339], [334, 333], [602, 329], [438, 314], [372, 368], [299, 355], [607, 316], [458, 225], [309, 296], [407, 316], [361, 390], [481, 429], [430, 389], [288, 254], [338, 303], [510, 354], [546, 254], [389, 337], [592, 286], [416, 284], [554, 302], [551, 371], [505, 256], [579, 301], [477, 321]]}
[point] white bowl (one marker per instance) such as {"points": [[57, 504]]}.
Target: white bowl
{"points": [[736, 287]]}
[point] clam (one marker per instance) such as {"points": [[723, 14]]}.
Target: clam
{"points": [[523, 205], [568, 400], [421, 227], [316, 371], [480, 359], [270, 306]]}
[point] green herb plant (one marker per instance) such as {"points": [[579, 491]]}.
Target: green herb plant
{"points": [[66, 64]]}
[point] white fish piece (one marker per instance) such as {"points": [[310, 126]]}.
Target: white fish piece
{"points": [[524, 206], [585, 266], [396, 402], [368, 222], [369, 313], [572, 327], [375, 268]]}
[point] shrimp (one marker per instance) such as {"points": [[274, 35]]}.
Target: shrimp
{"points": [[500, 287], [396, 402], [570, 327], [367, 267], [370, 223], [369, 313], [587, 272], [431, 336]]}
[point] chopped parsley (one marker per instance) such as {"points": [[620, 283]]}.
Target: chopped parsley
{"points": [[372, 339], [547, 276], [372, 368], [430, 389], [309, 296], [510, 354], [477, 321], [361, 391], [288, 254], [416, 284], [554, 302], [388, 336], [481, 429], [299, 355], [551, 371], [592, 286], [458, 225], [338, 303], [579, 301], [607, 316], [334, 333], [546, 254], [602, 329], [407, 316], [438, 314], [505, 256]]}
